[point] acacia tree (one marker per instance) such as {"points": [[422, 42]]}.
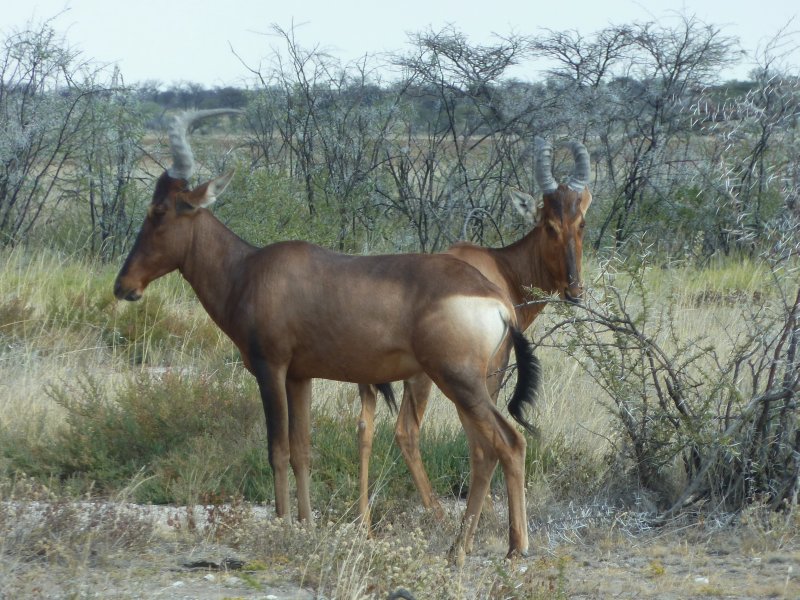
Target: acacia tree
{"points": [[578, 81], [668, 66], [630, 84], [700, 420], [585, 63], [285, 105], [456, 162], [749, 164], [106, 162], [43, 109], [331, 122]]}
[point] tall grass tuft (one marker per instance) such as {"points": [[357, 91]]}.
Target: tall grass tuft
{"points": [[162, 425]]}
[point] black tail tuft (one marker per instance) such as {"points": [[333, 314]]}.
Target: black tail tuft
{"points": [[388, 394], [528, 375]]}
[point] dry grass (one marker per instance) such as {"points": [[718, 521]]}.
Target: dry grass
{"points": [[56, 314], [39, 348], [114, 551], [58, 322]]}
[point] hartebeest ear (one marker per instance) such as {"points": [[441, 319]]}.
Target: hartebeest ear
{"points": [[586, 200], [206, 193], [526, 205]]}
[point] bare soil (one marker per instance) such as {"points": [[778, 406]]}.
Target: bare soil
{"points": [[678, 566], [749, 560]]}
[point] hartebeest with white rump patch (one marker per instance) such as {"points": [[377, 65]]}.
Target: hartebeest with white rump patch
{"points": [[297, 311], [547, 258]]}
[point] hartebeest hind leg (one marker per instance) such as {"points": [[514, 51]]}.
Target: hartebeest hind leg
{"points": [[483, 461], [488, 444], [416, 392], [491, 438]]}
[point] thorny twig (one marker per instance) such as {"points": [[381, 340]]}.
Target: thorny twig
{"points": [[755, 453]]}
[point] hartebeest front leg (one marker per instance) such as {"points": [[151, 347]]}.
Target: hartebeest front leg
{"points": [[366, 434], [416, 392], [272, 385], [298, 394]]}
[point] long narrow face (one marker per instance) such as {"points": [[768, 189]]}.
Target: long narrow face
{"points": [[166, 233], [155, 252], [562, 221], [165, 237]]}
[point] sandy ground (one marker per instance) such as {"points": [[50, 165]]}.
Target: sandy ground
{"points": [[590, 562]]}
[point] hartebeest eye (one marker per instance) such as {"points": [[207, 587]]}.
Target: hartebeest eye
{"points": [[156, 211]]}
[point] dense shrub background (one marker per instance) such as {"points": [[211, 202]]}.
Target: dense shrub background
{"points": [[690, 175]]}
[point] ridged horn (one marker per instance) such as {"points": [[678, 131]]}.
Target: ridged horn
{"points": [[579, 177], [543, 161], [182, 157]]}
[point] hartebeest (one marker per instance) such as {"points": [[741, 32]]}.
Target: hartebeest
{"points": [[547, 258], [297, 311]]}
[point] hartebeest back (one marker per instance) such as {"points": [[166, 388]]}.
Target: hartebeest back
{"points": [[547, 258], [297, 311]]}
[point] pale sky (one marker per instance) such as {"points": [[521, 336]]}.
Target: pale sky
{"points": [[181, 40]]}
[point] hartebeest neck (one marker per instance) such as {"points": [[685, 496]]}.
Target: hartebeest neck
{"points": [[213, 262], [523, 267]]}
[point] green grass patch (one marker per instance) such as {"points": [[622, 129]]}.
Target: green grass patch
{"points": [[180, 435], [50, 299], [725, 281]]}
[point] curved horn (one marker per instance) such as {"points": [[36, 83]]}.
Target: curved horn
{"points": [[182, 157], [580, 172], [543, 160]]}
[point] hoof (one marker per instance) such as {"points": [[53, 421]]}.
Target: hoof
{"points": [[516, 553], [457, 556], [435, 508]]}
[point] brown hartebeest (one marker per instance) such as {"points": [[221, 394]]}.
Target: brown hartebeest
{"points": [[297, 311], [547, 258]]}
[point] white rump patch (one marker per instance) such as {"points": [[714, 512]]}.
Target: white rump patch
{"points": [[488, 318]]}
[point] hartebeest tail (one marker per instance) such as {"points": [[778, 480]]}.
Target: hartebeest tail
{"points": [[297, 311], [385, 390], [528, 375]]}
